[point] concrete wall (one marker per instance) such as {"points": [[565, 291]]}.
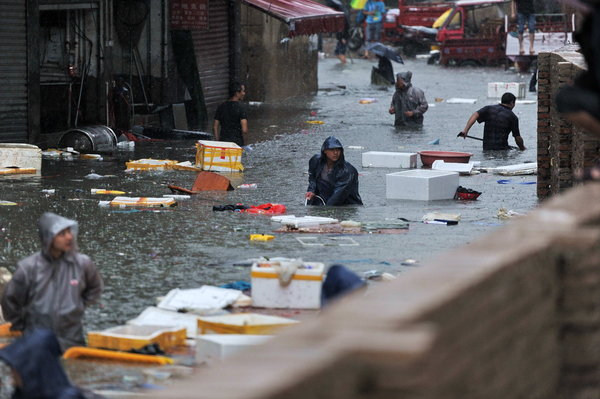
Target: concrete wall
{"points": [[562, 147], [515, 314], [270, 59]]}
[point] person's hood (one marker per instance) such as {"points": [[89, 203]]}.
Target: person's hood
{"points": [[332, 142], [50, 224], [35, 358], [406, 77]]}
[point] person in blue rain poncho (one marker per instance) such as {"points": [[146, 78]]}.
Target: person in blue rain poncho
{"points": [[331, 180]]}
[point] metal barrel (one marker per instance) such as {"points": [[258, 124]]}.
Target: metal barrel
{"points": [[97, 138]]}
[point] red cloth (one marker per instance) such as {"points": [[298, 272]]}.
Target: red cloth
{"points": [[266, 209]]}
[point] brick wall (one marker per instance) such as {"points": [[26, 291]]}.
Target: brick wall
{"points": [[562, 148], [515, 314]]}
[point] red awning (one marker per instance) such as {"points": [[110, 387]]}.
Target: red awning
{"points": [[304, 17]]}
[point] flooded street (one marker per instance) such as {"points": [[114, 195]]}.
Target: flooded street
{"points": [[142, 254]]}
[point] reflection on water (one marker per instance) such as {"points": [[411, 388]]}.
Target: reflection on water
{"points": [[144, 253]]}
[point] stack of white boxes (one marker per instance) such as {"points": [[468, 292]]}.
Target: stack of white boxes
{"points": [[497, 89]]}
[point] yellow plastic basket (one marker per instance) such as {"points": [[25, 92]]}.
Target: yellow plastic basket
{"points": [[243, 323], [219, 156]]}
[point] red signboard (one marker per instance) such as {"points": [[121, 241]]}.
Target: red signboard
{"points": [[189, 14]]}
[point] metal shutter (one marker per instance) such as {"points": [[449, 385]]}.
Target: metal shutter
{"points": [[13, 71], [212, 55]]}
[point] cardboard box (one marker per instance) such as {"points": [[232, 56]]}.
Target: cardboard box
{"points": [[380, 159], [497, 89], [216, 347], [421, 184], [302, 292], [219, 156]]}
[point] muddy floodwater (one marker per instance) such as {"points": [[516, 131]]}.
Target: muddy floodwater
{"points": [[142, 254]]}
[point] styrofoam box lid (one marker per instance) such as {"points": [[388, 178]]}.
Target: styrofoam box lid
{"points": [[388, 153], [137, 332], [422, 173], [219, 144], [247, 319], [316, 269], [234, 339]]}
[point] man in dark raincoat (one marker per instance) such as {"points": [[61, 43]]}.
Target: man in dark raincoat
{"points": [[51, 288], [37, 372], [331, 180], [408, 103]]}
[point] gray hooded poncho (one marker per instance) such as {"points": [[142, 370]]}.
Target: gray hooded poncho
{"points": [[409, 98], [52, 293]]}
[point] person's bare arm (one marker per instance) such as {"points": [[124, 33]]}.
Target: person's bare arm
{"points": [[469, 124], [519, 141], [244, 123], [216, 129]]}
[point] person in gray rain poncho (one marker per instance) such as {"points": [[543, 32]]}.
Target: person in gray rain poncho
{"points": [[51, 288], [331, 180], [408, 103]]}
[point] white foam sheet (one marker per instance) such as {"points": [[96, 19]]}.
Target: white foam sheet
{"points": [[199, 300]]}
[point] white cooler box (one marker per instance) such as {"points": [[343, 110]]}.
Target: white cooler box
{"points": [[303, 291]]}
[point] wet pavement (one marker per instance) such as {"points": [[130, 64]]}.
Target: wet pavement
{"points": [[142, 254]]}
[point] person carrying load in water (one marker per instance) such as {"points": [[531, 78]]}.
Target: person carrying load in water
{"points": [[331, 180], [500, 121], [51, 288]]}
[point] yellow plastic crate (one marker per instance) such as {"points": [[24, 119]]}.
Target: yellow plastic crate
{"points": [[129, 337], [243, 323], [149, 164], [219, 156]]}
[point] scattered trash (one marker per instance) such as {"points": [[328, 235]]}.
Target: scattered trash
{"points": [[376, 275], [526, 102], [261, 237], [339, 241], [529, 168], [150, 164], [205, 181], [409, 262], [254, 103], [355, 147], [367, 100], [93, 157], [248, 186], [240, 285], [465, 168], [141, 202], [203, 300], [434, 142], [504, 214], [232, 207], [466, 194], [49, 191], [350, 223], [126, 145], [461, 101], [316, 122], [104, 191], [177, 196], [449, 219], [291, 220], [18, 171], [508, 181], [95, 176], [438, 100], [266, 209], [8, 203]]}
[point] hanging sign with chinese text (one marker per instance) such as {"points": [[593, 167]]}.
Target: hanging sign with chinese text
{"points": [[189, 14]]}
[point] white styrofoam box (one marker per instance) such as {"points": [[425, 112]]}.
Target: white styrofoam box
{"points": [[303, 291], [381, 159], [497, 89], [291, 220], [452, 166], [216, 347], [421, 184], [160, 317], [20, 155]]}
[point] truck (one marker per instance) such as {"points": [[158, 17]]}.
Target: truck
{"points": [[410, 25]]}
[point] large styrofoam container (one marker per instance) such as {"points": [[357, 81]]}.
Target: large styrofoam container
{"points": [[129, 337], [242, 323], [497, 89], [303, 291], [421, 184], [25, 156], [153, 316], [381, 159], [219, 156], [216, 347], [147, 202]]}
